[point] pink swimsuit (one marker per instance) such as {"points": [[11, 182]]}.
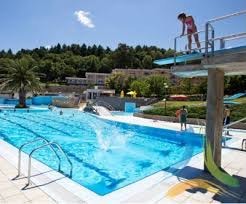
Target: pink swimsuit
{"points": [[189, 23]]}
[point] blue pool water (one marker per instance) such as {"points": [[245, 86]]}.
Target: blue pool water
{"points": [[106, 155]]}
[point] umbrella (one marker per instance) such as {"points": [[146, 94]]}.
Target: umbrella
{"points": [[179, 97], [132, 93]]}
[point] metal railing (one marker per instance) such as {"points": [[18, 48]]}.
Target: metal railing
{"points": [[30, 142], [104, 104], [40, 147], [227, 16], [182, 51], [210, 40], [230, 37], [226, 129], [236, 122]]}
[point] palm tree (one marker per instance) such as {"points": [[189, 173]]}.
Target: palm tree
{"points": [[19, 76]]}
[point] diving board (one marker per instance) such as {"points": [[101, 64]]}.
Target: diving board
{"points": [[232, 61], [179, 59], [197, 56]]}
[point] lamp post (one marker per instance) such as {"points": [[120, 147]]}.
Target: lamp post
{"points": [[165, 99]]}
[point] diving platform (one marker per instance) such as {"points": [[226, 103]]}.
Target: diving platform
{"points": [[232, 61], [214, 62], [191, 63]]}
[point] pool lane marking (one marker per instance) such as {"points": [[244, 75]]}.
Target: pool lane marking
{"points": [[43, 124], [134, 143], [87, 165], [64, 123]]}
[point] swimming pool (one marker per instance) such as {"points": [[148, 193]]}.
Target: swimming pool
{"points": [[106, 155]]}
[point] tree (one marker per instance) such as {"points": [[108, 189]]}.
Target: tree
{"points": [[123, 56], [106, 65], [202, 87], [186, 86], [20, 77], [83, 50], [235, 84], [119, 81], [169, 53], [147, 62], [9, 53], [92, 63], [156, 83], [141, 87]]}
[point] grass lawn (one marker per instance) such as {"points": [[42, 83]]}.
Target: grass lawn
{"points": [[180, 103], [196, 109]]}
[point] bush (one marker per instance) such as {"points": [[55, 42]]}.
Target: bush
{"points": [[193, 112], [141, 87], [237, 111]]}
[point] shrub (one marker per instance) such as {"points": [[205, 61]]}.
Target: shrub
{"points": [[237, 111]]}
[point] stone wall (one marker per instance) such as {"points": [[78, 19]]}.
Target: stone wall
{"points": [[194, 121], [66, 89]]}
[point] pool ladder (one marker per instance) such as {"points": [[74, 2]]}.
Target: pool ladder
{"points": [[46, 144]]}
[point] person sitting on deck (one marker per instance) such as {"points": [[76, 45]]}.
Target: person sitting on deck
{"points": [[189, 22], [183, 117]]}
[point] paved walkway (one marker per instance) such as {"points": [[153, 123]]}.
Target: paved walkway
{"points": [[234, 162], [11, 190]]}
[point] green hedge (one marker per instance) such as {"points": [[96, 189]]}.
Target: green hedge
{"points": [[237, 111]]}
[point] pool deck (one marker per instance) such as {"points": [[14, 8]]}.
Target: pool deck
{"points": [[48, 185]]}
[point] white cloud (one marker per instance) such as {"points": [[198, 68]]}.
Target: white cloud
{"points": [[84, 18], [48, 47]]}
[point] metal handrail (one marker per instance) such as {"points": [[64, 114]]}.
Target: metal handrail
{"points": [[65, 155], [232, 36], [39, 138], [229, 37], [209, 42], [210, 28], [225, 129], [225, 38], [236, 122], [222, 42], [104, 104], [181, 36], [227, 16], [40, 147], [175, 43]]}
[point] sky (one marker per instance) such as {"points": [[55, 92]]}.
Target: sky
{"points": [[33, 23]]}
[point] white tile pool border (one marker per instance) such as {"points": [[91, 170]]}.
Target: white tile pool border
{"points": [[10, 153]]}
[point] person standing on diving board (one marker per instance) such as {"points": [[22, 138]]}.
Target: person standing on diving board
{"points": [[189, 22]]}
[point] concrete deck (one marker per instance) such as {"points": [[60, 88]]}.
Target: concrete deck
{"points": [[11, 190], [55, 188], [231, 61]]}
